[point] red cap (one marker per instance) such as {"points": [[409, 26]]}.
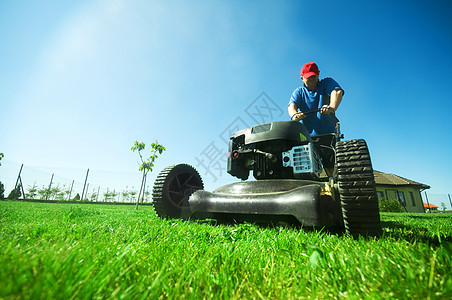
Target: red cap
{"points": [[309, 69]]}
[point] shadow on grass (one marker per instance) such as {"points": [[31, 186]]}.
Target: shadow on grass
{"points": [[288, 223], [411, 228]]}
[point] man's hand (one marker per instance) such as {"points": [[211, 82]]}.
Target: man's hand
{"points": [[298, 116], [326, 109]]}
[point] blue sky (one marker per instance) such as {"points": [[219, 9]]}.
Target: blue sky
{"points": [[80, 81]]}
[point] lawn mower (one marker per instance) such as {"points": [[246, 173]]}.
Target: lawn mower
{"points": [[315, 182]]}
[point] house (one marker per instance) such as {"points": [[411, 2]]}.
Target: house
{"points": [[406, 191], [428, 207]]}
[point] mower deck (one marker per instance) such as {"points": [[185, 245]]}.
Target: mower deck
{"points": [[302, 202]]}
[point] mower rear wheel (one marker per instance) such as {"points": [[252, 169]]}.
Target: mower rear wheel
{"points": [[172, 188], [356, 187]]}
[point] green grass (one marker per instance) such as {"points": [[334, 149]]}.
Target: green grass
{"points": [[86, 251]]}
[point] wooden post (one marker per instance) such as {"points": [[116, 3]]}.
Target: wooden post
{"points": [[87, 191], [429, 208], [403, 204], [422, 200], [22, 187], [84, 185], [18, 176], [19, 181], [98, 190], [70, 192], [50, 185]]}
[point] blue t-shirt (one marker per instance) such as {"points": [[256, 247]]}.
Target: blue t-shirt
{"points": [[307, 100]]}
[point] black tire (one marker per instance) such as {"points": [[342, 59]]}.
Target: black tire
{"points": [[172, 189], [356, 186]]}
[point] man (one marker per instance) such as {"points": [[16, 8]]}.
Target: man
{"points": [[315, 94], [325, 94]]}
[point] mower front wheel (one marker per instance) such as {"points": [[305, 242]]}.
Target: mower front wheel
{"points": [[172, 188]]}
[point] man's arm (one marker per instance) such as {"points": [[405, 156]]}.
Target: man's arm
{"points": [[335, 101], [294, 113], [336, 98]]}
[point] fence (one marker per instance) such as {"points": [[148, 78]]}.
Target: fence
{"points": [[442, 202], [104, 186], [66, 184]]}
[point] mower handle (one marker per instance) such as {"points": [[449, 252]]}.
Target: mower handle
{"points": [[311, 111], [316, 111]]}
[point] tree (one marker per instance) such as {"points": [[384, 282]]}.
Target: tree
{"points": [[110, 196], [146, 164], [44, 193], [125, 195], [57, 193], [93, 196], [32, 191]]}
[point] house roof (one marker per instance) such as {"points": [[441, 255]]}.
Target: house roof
{"points": [[426, 205], [395, 180]]}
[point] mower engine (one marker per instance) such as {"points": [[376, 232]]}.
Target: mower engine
{"points": [[275, 150]]}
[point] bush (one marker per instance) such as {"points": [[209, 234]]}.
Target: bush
{"points": [[15, 193], [2, 187], [2, 191], [390, 206]]}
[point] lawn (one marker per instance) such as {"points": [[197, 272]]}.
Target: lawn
{"points": [[85, 251]]}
